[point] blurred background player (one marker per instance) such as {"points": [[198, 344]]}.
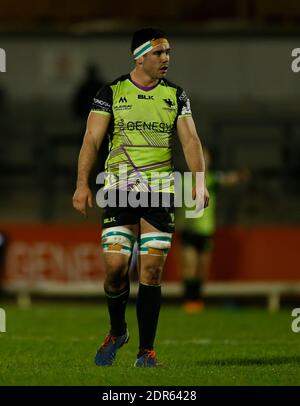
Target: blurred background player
{"points": [[84, 94], [86, 91], [196, 236]]}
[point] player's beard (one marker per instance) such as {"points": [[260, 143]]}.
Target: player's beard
{"points": [[159, 75], [155, 73]]}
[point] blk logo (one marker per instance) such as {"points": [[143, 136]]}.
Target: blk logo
{"points": [[123, 100], [145, 97], [169, 102], [109, 220]]}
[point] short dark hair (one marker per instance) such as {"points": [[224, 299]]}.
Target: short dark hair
{"points": [[145, 34]]}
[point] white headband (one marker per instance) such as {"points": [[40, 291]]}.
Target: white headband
{"points": [[147, 46]]}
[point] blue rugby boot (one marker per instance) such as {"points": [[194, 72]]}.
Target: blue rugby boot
{"points": [[147, 359], [107, 352]]}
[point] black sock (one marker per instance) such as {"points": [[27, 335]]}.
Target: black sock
{"points": [[193, 289], [147, 310], [116, 303]]}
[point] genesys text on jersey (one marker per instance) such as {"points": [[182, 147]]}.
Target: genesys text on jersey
{"points": [[143, 125]]}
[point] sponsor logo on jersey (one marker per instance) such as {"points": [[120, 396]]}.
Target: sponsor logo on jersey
{"points": [[123, 107], [101, 105], [186, 109], [109, 220], [142, 125], [183, 97], [145, 97], [169, 102]]}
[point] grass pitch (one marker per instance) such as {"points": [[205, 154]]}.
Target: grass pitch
{"points": [[55, 345]]}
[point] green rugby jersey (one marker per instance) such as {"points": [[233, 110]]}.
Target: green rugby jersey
{"points": [[141, 128]]}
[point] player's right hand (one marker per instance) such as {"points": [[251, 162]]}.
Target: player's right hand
{"points": [[82, 197]]}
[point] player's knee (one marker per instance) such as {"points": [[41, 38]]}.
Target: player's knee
{"points": [[115, 276], [116, 265], [151, 274]]}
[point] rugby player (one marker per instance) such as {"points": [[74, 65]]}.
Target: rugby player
{"points": [[140, 112]]}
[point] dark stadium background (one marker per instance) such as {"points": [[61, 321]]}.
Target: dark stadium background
{"points": [[234, 58]]}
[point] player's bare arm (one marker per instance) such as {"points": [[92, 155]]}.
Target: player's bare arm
{"points": [[192, 149], [97, 126]]}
